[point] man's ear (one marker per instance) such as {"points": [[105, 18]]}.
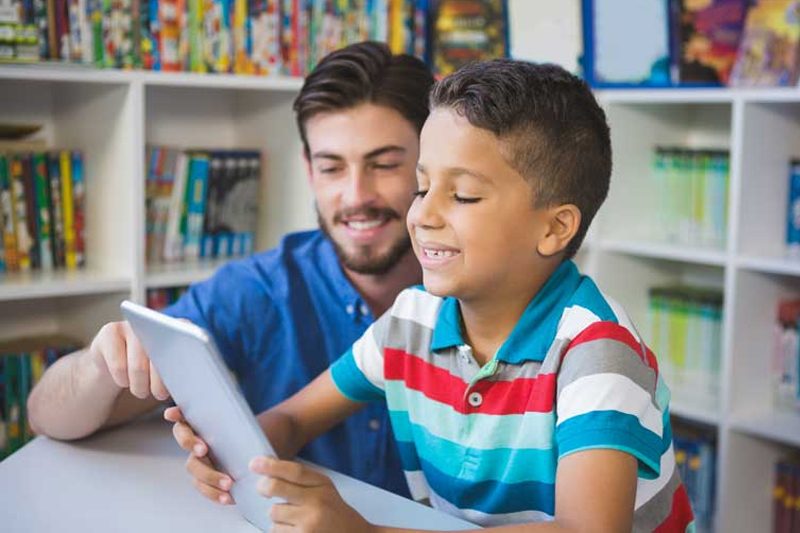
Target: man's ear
{"points": [[563, 222]]}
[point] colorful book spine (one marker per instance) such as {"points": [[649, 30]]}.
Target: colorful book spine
{"points": [[195, 204], [793, 210], [23, 236], [78, 207], [58, 236], [7, 216], [68, 211]]}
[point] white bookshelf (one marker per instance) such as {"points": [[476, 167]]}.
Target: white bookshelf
{"points": [[112, 115]]}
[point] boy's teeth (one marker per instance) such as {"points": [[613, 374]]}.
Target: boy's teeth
{"points": [[364, 224], [439, 254]]}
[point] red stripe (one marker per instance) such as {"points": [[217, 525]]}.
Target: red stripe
{"points": [[499, 397], [615, 332], [680, 516]]}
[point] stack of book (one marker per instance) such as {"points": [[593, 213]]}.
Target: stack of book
{"points": [[686, 335], [786, 497], [692, 188], [22, 363], [261, 37], [695, 457], [786, 356], [201, 204], [158, 299], [42, 210]]}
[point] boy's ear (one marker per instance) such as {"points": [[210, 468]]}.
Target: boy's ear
{"points": [[563, 223]]}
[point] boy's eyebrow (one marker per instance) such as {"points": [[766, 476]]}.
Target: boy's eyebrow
{"points": [[454, 172], [389, 148]]}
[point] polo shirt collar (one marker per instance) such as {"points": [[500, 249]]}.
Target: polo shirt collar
{"points": [[534, 332]]}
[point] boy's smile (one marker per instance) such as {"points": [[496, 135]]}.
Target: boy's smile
{"points": [[473, 224]]}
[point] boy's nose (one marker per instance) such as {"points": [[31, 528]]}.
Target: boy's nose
{"points": [[425, 213]]}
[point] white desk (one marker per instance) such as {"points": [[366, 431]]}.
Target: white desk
{"points": [[133, 479]]}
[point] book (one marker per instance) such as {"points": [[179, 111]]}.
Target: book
{"points": [[7, 217], [706, 39], [19, 207], [768, 54], [465, 31], [78, 208]]}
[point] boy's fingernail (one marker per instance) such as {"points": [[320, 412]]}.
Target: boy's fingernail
{"points": [[198, 449], [258, 463], [224, 499], [225, 483]]}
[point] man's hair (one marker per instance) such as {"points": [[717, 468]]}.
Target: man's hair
{"points": [[552, 130], [362, 73]]}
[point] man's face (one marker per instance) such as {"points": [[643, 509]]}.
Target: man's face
{"points": [[362, 169]]}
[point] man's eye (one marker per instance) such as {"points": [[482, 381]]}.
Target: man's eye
{"points": [[388, 166], [329, 170], [466, 199]]}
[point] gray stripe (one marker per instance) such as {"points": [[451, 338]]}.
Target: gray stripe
{"points": [[552, 361], [607, 356], [650, 515]]}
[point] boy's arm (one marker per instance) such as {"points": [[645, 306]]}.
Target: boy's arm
{"points": [[289, 425], [595, 491]]}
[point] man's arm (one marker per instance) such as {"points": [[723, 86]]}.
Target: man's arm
{"points": [[106, 384]]}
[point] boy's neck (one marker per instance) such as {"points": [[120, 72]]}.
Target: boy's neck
{"points": [[380, 291], [488, 321]]}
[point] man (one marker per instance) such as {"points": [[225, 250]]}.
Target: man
{"points": [[359, 115]]}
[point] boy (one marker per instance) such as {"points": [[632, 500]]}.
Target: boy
{"points": [[520, 397]]}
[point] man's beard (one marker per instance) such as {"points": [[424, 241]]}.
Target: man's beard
{"points": [[364, 260]]}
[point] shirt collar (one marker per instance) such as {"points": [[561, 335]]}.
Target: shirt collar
{"points": [[354, 305], [534, 332]]}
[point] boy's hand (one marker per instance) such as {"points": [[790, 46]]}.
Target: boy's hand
{"points": [[312, 502], [211, 483]]}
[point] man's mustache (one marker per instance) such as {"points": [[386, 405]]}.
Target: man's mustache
{"points": [[367, 212]]}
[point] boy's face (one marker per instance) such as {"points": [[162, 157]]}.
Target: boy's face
{"points": [[472, 225], [361, 165]]}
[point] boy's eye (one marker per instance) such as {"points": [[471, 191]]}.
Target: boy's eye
{"points": [[420, 193], [466, 199]]}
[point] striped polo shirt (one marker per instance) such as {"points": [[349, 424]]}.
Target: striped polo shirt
{"points": [[483, 443]]}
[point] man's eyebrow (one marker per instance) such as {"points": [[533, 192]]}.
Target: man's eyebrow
{"points": [[391, 148], [385, 150]]}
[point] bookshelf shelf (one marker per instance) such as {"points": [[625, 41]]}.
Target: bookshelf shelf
{"points": [[180, 274], [112, 115], [770, 265], [669, 252], [695, 411], [781, 427], [31, 285]]}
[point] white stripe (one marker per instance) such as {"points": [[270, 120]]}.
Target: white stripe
{"points": [[622, 317], [417, 485], [574, 320], [486, 519], [608, 392], [369, 358], [647, 489], [417, 306]]}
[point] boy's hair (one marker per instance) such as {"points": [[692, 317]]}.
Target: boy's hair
{"points": [[552, 130], [361, 73]]}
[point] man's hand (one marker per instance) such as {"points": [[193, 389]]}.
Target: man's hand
{"points": [[211, 483], [312, 502], [117, 350]]}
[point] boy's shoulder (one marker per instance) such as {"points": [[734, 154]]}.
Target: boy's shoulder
{"points": [[590, 309]]}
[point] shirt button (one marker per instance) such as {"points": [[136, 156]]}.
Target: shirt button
{"points": [[374, 424], [364, 310], [350, 309], [475, 399]]}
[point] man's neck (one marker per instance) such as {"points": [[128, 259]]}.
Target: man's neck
{"points": [[380, 291]]}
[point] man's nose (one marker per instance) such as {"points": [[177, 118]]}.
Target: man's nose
{"points": [[360, 188]]}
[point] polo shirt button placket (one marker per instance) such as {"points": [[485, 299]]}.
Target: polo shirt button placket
{"points": [[475, 399]]}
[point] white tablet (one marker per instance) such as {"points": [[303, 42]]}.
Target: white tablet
{"points": [[201, 385]]}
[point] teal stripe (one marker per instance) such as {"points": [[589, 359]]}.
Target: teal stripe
{"points": [[481, 431], [351, 382], [500, 464], [615, 430]]}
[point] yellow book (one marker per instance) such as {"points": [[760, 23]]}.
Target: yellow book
{"points": [[70, 252], [397, 35]]}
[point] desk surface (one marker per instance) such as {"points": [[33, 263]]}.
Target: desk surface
{"points": [[133, 479]]}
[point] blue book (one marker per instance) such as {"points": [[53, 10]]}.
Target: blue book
{"points": [[793, 210], [195, 204]]}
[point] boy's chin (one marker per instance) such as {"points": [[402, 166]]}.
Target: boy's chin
{"points": [[437, 288]]}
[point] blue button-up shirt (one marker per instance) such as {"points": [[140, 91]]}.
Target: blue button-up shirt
{"points": [[280, 318]]}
